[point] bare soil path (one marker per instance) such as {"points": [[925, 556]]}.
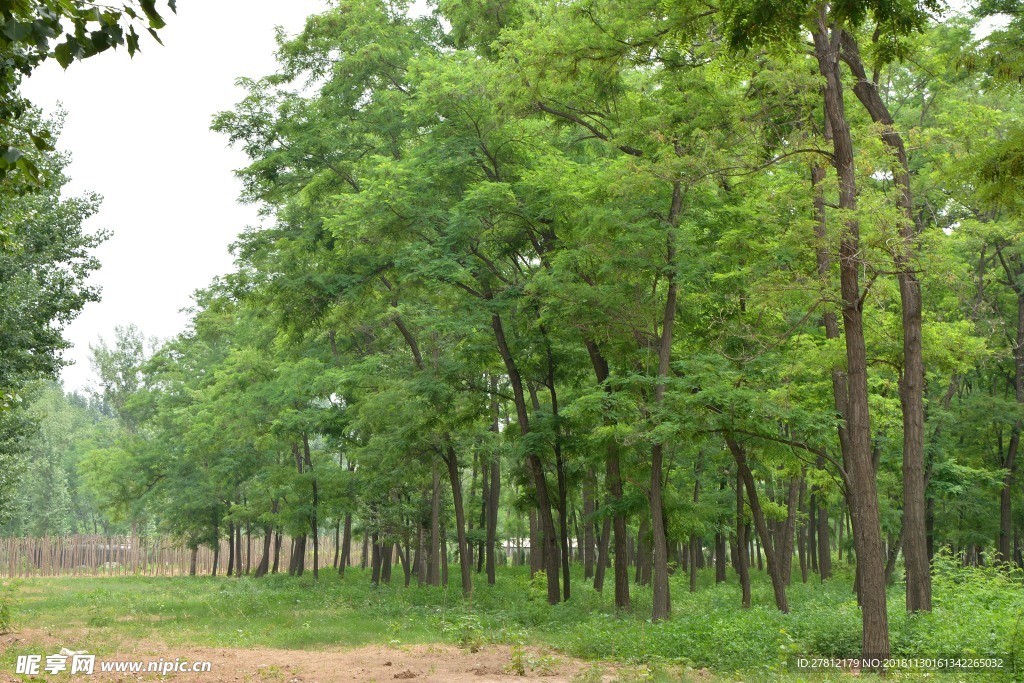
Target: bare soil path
{"points": [[427, 663]]}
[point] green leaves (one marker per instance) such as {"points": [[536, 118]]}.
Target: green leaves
{"points": [[85, 28]]}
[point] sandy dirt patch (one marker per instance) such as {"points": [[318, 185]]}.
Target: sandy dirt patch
{"points": [[433, 663]]}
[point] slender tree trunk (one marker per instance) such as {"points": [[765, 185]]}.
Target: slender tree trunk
{"points": [[771, 560], [661, 607], [741, 564], [534, 464], [434, 565], [589, 490], [216, 556], [801, 533], [601, 564], [485, 499], [387, 554], [337, 544], [720, 576], [911, 384], [643, 552], [238, 550], [894, 551], [1003, 555], [788, 529], [375, 561], [495, 488], [613, 480], [264, 564], [231, 549], [465, 562], [314, 522], [861, 486], [695, 542], [346, 545]]}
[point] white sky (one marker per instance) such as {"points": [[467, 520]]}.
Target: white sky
{"points": [[138, 130]]}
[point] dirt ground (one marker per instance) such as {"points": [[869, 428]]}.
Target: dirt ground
{"points": [[434, 663]]}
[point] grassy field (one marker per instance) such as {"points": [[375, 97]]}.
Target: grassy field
{"points": [[978, 613]]}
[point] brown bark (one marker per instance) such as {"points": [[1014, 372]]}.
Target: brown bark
{"points": [[534, 464], [434, 562], [661, 607], [742, 564], [771, 559], [346, 545], [494, 490], [601, 564], [613, 480], [264, 563], [314, 522], [589, 489], [911, 383], [465, 562], [861, 485], [231, 549], [1003, 553], [788, 532], [801, 534], [695, 541]]}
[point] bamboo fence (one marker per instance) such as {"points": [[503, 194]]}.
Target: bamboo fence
{"points": [[138, 556]]}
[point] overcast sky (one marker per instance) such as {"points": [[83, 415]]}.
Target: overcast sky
{"points": [[138, 131]]}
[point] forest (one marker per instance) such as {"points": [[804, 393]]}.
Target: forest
{"points": [[672, 313]]}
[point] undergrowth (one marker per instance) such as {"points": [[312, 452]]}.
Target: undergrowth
{"points": [[978, 612]]}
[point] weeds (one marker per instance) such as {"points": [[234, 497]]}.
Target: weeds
{"points": [[977, 612], [8, 605]]}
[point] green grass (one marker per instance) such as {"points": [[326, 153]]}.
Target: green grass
{"points": [[977, 613]]}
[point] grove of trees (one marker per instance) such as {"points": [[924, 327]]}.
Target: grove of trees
{"points": [[656, 285]]}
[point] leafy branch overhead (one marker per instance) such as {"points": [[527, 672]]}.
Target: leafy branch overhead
{"points": [[33, 31]]}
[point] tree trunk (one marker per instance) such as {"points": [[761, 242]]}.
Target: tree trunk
{"points": [[601, 564], [911, 383], [494, 489], [788, 531], [861, 486], [695, 542], [337, 544], [771, 560], [801, 533], [613, 480], [231, 549], [720, 576], [662, 607], [434, 564], [346, 545], [264, 564], [465, 562], [536, 547], [1003, 554], [314, 522], [589, 489], [643, 552], [741, 564], [534, 464], [375, 561]]}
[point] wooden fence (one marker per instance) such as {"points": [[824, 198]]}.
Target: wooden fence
{"points": [[138, 556]]}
